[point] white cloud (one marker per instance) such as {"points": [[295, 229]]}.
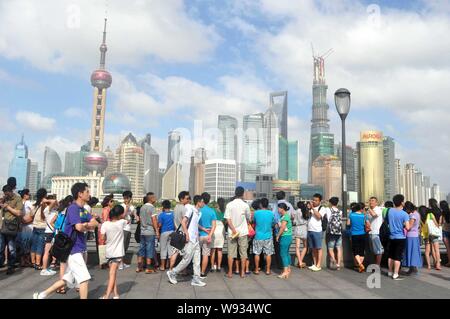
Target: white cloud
{"points": [[74, 112], [55, 35], [34, 121]]}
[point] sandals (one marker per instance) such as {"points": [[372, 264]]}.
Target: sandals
{"points": [[61, 291], [138, 270], [268, 273], [37, 267], [149, 271]]}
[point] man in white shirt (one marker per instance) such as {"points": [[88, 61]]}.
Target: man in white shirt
{"points": [[237, 214], [130, 210], [192, 248], [375, 219], [315, 232]]}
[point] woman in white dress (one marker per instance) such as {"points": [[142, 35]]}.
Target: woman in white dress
{"points": [[218, 238]]}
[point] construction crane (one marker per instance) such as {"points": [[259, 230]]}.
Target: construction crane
{"points": [[319, 65]]}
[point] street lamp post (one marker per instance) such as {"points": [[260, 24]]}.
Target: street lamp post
{"points": [[342, 101]]}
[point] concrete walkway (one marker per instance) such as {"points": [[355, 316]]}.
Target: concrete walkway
{"points": [[302, 284]]}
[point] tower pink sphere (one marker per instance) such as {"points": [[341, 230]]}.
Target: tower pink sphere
{"points": [[101, 79], [96, 161]]}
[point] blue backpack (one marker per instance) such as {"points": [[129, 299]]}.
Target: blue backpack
{"points": [[60, 222]]}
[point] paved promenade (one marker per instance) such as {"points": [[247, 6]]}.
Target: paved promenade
{"points": [[302, 284]]}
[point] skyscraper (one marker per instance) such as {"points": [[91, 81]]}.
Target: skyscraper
{"points": [[74, 163], [151, 167], [253, 150], [110, 169], [279, 104], [220, 178], [399, 178], [389, 167], [427, 188], [436, 192], [130, 158], [20, 165], [293, 161], [52, 163], [174, 149], [197, 171], [172, 181], [350, 165], [326, 172], [283, 159], [322, 141], [410, 182], [101, 80], [371, 165], [33, 182], [228, 146], [271, 143], [419, 190]]}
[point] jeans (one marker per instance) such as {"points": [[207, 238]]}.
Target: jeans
{"points": [[147, 246], [11, 242], [38, 241], [285, 243], [191, 253]]}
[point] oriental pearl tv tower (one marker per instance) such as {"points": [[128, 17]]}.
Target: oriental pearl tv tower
{"points": [[96, 161]]}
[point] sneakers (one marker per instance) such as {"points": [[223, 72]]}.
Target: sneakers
{"points": [[48, 272], [126, 266], [198, 283], [397, 277], [314, 268], [203, 276], [172, 277], [37, 295], [390, 274]]}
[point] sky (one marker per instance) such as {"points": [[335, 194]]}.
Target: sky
{"points": [[174, 62]]}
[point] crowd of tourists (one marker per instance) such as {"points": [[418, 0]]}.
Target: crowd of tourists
{"points": [[31, 232]]}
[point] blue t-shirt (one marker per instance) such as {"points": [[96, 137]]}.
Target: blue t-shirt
{"points": [[75, 215], [397, 219], [264, 220], [357, 224], [206, 219], [166, 221]]}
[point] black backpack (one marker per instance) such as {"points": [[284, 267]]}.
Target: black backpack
{"points": [[324, 220], [178, 238], [63, 245], [384, 229], [137, 233]]}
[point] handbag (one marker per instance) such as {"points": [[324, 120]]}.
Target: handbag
{"points": [[433, 230], [178, 238], [137, 233], [10, 227]]}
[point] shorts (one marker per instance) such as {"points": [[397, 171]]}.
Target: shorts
{"points": [[263, 246], [23, 241], [445, 234], [233, 244], [431, 239], [205, 246], [333, 241], [315, 240], [76, 271], [375, 245], [359, 245], [116, 260], [147, 246], [301, 232], [396, 249], [38, 241], [48, 238]]}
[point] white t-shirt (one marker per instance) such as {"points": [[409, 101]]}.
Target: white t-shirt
{"points": [[131, 210], [49, 215], [193, 226], [114, 238], [314, 224], [238, 211], [27, 210], [376, 222]]}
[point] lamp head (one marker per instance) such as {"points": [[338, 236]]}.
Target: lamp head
{"points": [[342, 101]]}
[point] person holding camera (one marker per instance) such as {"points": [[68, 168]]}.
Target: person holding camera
{"points": [[11, 206], [315, 231]]}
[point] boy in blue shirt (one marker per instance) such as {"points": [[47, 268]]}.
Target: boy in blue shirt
{"points": [[206, 226]]}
